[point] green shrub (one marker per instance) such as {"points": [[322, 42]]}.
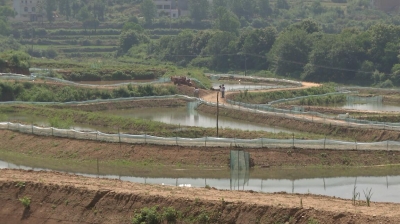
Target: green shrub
{"points": [[170, 215], [203, 218], [147, 216], [57, 122], [26, 201]]}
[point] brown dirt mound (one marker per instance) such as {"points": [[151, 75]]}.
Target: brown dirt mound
{"points": [[63, 198]]}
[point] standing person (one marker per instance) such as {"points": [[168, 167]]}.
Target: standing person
{"points": [[223, 91], [196, 92]]}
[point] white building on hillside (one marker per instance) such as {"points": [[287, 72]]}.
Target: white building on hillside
{"points": [[172, 8], [28, 10]]}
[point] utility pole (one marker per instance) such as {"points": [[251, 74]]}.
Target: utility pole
{"points": [[217, 111]]}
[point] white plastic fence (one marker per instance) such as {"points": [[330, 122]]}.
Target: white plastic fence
{"points": [[204, 141]]}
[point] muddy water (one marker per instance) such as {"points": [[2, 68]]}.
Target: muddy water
{"points": [[384, 188], [188, 116]]}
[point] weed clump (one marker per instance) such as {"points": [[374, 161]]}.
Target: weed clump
{"points": [[26, 201]]}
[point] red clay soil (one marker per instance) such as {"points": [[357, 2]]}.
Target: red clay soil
{"points": [[64, 198]]}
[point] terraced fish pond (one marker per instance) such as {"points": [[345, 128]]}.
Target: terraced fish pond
{"points": [[384, 188]]}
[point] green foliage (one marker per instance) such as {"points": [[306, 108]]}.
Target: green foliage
{"points": [[131, 38], [57, 122], [368, 195], [14, 61], [262, 98], [323, 100], [227, 21], [26, 201], [203, 218], [198, 9], [170, 215], [45, 93], [149, 10], [147, 216]]}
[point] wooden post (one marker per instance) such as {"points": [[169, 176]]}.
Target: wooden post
{"points": [[217, 111], [293, 140]]}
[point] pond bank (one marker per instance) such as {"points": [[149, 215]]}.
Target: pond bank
{"points": [[57, 197]]}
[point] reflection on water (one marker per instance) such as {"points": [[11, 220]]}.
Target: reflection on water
{"points": [[368, 104], [376, 106], [384, 188], [184, 116], [188, 116]]}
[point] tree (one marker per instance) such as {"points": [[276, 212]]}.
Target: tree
{"points": [[132, 26], [216, 4], [75, 8], [129, 39], [99, 8], [264, 8], [179, 48], [256, 45], [198, 9], [282, 4], [227, 21], [316, 7], [245, 8], [91, 23], [222, 48], [308, 25], [149, 10], [6, 12], [336, 58], [384, 41], [4, 28], [289, 54], [199, 42], [50, 6], [83, 14]]}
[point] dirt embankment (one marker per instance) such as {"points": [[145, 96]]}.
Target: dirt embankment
{"points": [[362, 135], [63, 148], [63, 198], [128, 104]]}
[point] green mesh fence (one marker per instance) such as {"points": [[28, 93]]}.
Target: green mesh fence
{"points": [[239, 164]]}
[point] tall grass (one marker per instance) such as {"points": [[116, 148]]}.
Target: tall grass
{"points": [[58, 122], [323, 100], [51, 93], [262, 98]]}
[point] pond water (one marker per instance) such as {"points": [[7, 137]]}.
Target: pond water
{"points": [[384, 188], [188, 116], [374, 103], [371, 106], [183, 116]]}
